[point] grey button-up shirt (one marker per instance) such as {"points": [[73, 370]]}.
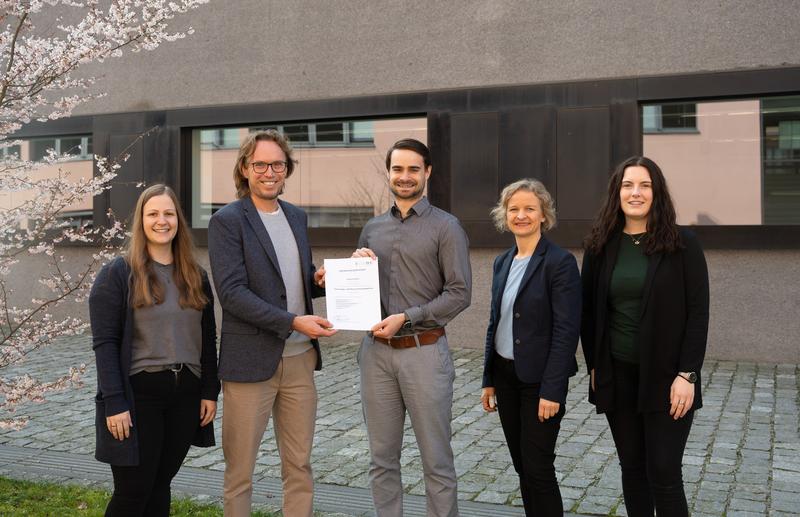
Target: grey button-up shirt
{"points": [[423, 263]]}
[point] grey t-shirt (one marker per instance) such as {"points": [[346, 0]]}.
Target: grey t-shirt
{"points": [[504, 337], [289, 261], [166, 334]]}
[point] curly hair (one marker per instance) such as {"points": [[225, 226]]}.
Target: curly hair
{"points": [[662, 230]]}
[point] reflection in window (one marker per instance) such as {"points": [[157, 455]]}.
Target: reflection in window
{"points": [[325, 134], [219, 139], [739, 166], [79, 147], [781, 122], [11, 150], [79, 166], [669, 118], [340, 177]]}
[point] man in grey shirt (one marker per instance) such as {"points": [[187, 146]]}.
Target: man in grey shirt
{"points": [[425, 281]]}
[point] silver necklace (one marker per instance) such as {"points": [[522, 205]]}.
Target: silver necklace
{"points": [[637, 241]]}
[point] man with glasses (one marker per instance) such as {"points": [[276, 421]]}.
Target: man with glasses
{"points": [[261, 263], [425, 281]]}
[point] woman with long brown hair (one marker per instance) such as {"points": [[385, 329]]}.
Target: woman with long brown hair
{"points": [[154, 338], [643, 332]]}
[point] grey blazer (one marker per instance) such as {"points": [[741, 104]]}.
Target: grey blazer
{"points": [[250, 289]]}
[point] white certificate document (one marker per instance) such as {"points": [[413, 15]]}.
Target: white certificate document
{"points": [[352, 293]]}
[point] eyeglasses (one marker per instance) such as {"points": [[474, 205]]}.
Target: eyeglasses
{"points": [[278, 167]]}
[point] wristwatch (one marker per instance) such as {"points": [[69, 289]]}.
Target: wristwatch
{"points": [[689, 377], [407, 325]]}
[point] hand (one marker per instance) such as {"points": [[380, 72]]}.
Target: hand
{"points": [[547, 409], [389, 327], [488, 399], [119, 425], [319, 276], [364, 252], [681, 397], [591, 379], [313, 326], [208, 410]]}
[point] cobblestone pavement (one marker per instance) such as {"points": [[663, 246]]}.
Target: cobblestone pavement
{"points": [[743, 455]]}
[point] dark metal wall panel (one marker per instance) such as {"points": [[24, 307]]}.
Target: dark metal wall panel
{"points": [[439, 144], [126, 187], [739, 83], [583, 154], [626, 135], [474, 165], [528, 145]]}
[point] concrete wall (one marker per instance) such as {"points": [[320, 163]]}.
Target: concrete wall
{"points": [[753, 316], [252, 51]]}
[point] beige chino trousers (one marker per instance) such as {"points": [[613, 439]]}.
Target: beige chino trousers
{"points": [[291, 396]]}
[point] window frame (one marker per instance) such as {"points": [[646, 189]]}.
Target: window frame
{"points": [[658, 117], [57, 144], [313, 139]]}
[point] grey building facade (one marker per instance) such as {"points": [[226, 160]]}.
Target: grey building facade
{"points": [[559, 91]]}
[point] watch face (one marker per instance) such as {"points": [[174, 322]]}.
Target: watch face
{"points": [[691, 377]]}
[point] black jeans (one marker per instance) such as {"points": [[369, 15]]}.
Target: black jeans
{"points": [[167, 416], [532, 444], [650, 448]]}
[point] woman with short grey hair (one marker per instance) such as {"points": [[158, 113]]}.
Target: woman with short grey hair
{"points": [[531, 340]]}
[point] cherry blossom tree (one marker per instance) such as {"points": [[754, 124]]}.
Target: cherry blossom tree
{"points": [[44, 47]]}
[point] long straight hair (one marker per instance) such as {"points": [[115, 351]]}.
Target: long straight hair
{"points": [[662, 230], [146, 289]]}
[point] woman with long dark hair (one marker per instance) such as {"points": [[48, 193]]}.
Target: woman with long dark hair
{"points": [[154, 338], [531, 341], [644, 329]]}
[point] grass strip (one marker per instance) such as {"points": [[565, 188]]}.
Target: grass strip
{"points": [[23, 498]]}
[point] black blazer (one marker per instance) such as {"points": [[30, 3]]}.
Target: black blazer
{"points": [[546, 323], [672, 329], [255, 319], [112, 339]]}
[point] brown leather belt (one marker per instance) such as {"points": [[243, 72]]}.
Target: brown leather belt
{"points": [[428, 337]]}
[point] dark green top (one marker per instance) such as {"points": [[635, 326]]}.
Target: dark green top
{"points": [[625, 299]]}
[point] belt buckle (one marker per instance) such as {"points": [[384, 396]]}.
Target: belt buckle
{"points": [[176, 368]]}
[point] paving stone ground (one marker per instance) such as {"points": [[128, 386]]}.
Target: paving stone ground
{"points": [[743, 455]]}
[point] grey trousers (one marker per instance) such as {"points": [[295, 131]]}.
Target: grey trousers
{"points": [[420, 381]]}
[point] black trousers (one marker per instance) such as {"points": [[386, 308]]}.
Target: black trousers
{"points": [[167, 416], [650, 448], [532, 444]]}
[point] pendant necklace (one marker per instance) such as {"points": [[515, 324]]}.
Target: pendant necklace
{"points": [[637, 240]]}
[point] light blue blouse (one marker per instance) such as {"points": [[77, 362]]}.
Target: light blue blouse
{"points": [[504, 337]]}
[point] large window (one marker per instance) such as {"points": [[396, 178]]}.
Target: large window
{"points": [[340, 177], [740, 165]]}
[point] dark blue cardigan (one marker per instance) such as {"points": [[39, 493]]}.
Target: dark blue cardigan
{"points": [[112, 337]]}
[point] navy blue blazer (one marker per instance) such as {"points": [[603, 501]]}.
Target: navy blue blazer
{"points": [[547, 319], [250, 288], [112, 339]]}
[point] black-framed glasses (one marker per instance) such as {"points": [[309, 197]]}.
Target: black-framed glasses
{"points": [[278, 167]]}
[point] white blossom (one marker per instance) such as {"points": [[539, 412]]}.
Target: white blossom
{"points": [[39, 80]]}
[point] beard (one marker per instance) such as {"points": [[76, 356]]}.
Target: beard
{"points": [[415, 194]]}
